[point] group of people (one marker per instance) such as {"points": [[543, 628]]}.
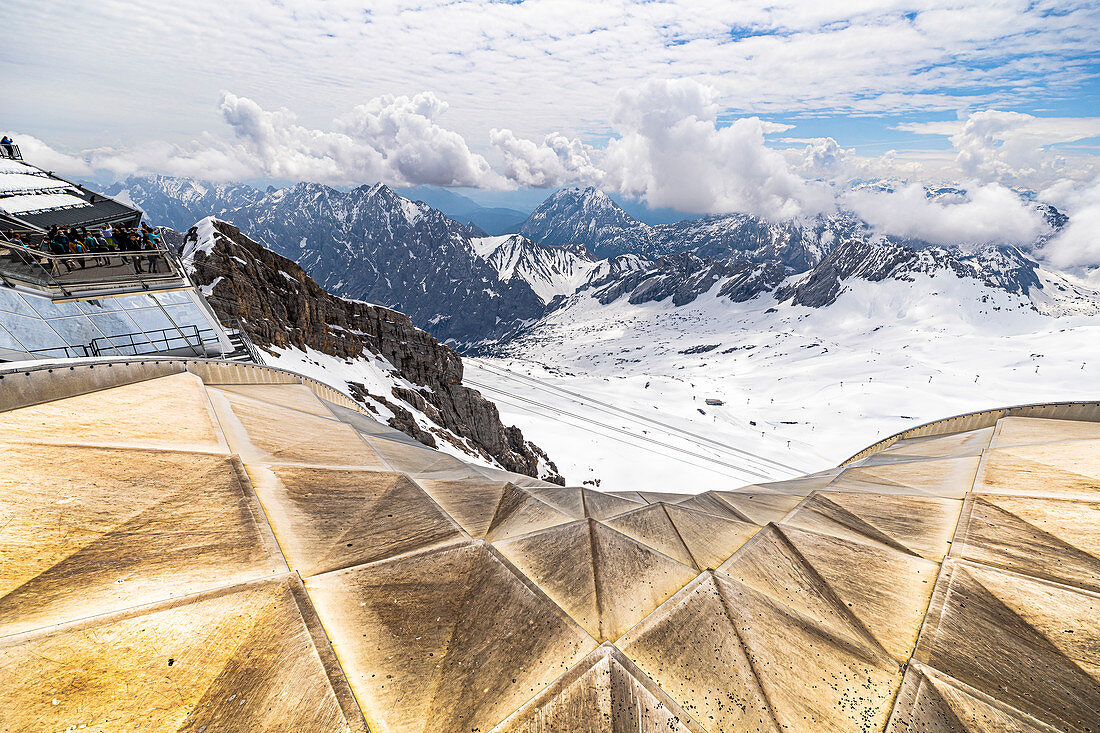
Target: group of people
{"points": [[98, 243], [7, 147]]}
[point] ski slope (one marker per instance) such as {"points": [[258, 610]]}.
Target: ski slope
{"points": [[616, 394]]}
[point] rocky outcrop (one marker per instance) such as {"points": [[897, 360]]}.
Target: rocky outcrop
{"points": [[279, 305], [685, 276], [749, 279], [1006, 269]]}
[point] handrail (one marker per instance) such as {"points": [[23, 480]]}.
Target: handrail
{"points": [[191, 336], [11, 151], [78, 350], [253, 352], [184, 333]]}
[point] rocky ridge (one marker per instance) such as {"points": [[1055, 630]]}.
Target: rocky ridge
{"points": [[684, 276], [281, 307], [550, 271], [366, 244]]}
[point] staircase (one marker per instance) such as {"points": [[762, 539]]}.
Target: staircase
{"points": [[243, 348]]}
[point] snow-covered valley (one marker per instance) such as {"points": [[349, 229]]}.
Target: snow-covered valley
{"points": [[802, 388], [602, 338]]}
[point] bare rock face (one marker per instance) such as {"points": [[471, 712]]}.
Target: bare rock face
{"points": [[684, 276], [279, 305], [1007, 269]]}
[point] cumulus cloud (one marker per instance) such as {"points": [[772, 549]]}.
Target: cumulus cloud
{"points": [[821, 158], [557, 161], [987, 214], [395, 139], [48, 158], [1078, 243], [672, 153], [1016, 149]]}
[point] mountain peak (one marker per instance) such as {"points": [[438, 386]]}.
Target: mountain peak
{"points": [[581, 194], [585, 216]]}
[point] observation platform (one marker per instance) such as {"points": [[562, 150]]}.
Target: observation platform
{"points": [[197, 544], [110, 302]]}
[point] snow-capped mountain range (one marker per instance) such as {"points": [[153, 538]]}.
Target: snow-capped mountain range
{"points": [[589, 316], [586, 216], [366, 244], [549, 271], [474, 291]]}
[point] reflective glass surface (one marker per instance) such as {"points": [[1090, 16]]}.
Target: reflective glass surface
{"points": [[7, 342], [188, 315], [32, 333], [141, 300], [114, 324], [12, 302], [172, 296], [125, 325], [99, 306], [151, 319], [75, 330], [48, 309]]}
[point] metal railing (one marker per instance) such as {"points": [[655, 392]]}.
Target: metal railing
{"points": [[238, 333], [70, 273], [71, 351], [11, 151], [160, 340], [189, 338]]}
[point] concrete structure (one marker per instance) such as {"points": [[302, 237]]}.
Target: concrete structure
{"points": [[201, 545]]}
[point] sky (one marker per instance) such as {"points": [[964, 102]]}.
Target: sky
{"points": [[775, 108]]}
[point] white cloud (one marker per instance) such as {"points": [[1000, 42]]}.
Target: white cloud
{"points": [[822, 158], [557, 161], [42, 155], [988, 214], [529, 67], [392, 139], [672, 153], [1077, 245], [396, 140], [1015, 149], [208, 158]]}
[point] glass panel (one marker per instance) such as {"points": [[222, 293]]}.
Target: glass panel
{"points": [[48, 309], [11, 301], [7, 342], [33, 333], [188, 315], [151, 319], [77, 331], [114, 324], [97, 306], [172, 296], [140, 300]]}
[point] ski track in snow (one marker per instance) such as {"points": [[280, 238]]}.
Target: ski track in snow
{"points": [[820, 384]]}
